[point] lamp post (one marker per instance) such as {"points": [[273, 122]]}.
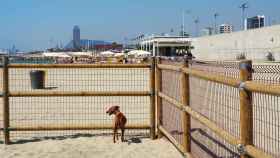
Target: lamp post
{"points": [[196, 21], [215, 17], [183, 24]]}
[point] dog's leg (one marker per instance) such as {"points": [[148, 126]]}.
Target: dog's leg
{"points": [[114, 138], [122, 136], [117, 134]]}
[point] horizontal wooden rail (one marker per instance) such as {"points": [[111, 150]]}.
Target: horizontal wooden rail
{"points": [[171, 100], [74, 127], [213, 77], [262, 88], [214, 127], [79, 65], [254, 152], [251, 150], [169, 67], [219, 131], [174, 141], [272, 89], [82, 93]]}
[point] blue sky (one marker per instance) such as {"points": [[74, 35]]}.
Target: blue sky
{"points": [[38, 24]]}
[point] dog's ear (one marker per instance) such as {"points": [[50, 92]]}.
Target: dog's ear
{"points": [[118, 107]]}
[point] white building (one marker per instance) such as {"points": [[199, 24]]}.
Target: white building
{"points": [[225, 28], [165, 45]]}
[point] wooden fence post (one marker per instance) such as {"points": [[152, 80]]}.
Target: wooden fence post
{"points": [[185, 99], [246, 109], [152, 100], [158, 98], [6, 110]]}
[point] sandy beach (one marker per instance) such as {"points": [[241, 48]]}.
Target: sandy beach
{"points": [[91, 147], [69, 111]]}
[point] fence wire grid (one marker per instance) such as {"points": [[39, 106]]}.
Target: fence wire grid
{"points": [[85, 79], [217, 102], [266, 110], [221, 104], [171, 115], [77, 111]]}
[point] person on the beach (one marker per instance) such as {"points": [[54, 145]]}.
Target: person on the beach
{"points": [[189, 55]]}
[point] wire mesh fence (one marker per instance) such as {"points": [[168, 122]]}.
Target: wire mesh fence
{"points": [[266, 114], [171, 115], [217, 102], [205, 143], [221, 104], [88, 79], [266, 111], [226, 68], [66, 112], [52, 112], [267, 73]]}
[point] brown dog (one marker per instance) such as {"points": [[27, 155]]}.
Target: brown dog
{"points": [[119, 121]]}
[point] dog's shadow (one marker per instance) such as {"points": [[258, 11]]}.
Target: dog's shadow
{"points": [[133, 140], [50, 88], [136, 139]]}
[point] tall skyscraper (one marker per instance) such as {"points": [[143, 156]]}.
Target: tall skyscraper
{"points": [[255, 22], [76, 37], [225, 28]]}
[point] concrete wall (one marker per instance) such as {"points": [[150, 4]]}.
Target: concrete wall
{"points": [[255, 44]]}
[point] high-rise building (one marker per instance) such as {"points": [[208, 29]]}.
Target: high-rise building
{"points": [[255, 22], [76, 37], [225, 28]]}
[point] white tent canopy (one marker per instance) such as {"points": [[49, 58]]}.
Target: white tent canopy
{"points": [[107, 53], [80, 53], [139, 53], [56, 54], [119, 54]]}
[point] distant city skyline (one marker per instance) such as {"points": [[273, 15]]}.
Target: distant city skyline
{"points": [[33, 24]]}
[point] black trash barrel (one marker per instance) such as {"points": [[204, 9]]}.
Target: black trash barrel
{"points": [[37, 79]]}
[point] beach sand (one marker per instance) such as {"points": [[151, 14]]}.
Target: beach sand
{"points": [[92, 147], [67, 111]]}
